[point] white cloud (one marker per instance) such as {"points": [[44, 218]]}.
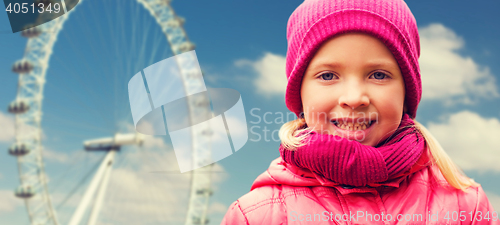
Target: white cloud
{"points": [[66, 157], [238, 131], [494, 200], [446, 75], [237, 122], [219, 176], [153, 142], [9, 202], [149, 141], [145, 187], [217, 207], [471, 140], [7, 131], [140, 198], [142, 193], [271, 74], [55, 156]]}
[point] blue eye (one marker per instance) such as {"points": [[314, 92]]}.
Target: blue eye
{"points": [[327, 76], [379, 75]]}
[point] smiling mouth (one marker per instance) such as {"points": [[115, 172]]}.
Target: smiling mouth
{"points": [[352, 126]]}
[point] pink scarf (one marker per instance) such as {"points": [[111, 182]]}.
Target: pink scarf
{"points": [[351, 163]]}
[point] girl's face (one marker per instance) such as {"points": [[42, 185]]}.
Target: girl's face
{"points": [[353, 88]]}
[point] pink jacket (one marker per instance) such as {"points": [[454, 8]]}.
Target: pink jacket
{"points": [[285, 194]]}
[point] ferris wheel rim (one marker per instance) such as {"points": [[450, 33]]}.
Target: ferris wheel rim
{"points": [[36, 76]]}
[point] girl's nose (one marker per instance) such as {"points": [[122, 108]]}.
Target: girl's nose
{"points": [[353, 96]]}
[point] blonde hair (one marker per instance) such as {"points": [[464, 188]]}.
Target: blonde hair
{"points": [[294, 132]]}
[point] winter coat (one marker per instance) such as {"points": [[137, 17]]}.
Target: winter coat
{"points": [[286, 194]]}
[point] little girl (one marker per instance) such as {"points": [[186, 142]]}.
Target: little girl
{"points": [[356, 155]]}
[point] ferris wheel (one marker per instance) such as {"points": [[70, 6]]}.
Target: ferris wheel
{"points": [[27, 108]]}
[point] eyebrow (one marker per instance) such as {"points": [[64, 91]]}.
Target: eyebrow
{"points": [[328, 65], [381, 63]]}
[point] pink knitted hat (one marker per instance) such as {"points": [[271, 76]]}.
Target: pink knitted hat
{"points": [[316, 21]]}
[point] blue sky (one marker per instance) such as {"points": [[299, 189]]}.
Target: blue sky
{"points": [[240, 45]]}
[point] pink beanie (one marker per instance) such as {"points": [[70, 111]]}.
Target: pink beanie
{"points": [[316, 21]]}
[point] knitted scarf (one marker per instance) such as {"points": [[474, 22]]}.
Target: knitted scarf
{"points": [[349, 162]]}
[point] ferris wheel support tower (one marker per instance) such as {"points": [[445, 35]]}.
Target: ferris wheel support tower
{"points": [[101, 177]]}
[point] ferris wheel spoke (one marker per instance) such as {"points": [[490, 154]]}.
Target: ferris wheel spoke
{"points": [[107, 73], [79, 184], [58, 181], [77, 100], [64, 91], [96, 97], [99, 30], [73, 123]]}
